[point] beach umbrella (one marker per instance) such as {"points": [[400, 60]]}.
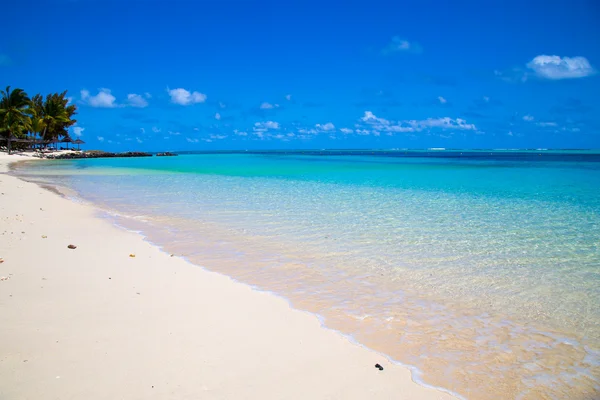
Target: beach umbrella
{"points": [[67, 140], [78, 142]]}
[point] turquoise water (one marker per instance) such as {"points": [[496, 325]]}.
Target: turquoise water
{"points": [[481, 269]]}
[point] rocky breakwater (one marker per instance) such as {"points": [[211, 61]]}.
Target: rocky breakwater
{"points": [[96, 154]]}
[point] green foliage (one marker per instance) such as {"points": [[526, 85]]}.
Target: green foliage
{"points": [[50, 118], [14, 112], [56, 116]]}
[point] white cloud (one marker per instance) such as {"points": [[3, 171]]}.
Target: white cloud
{"points": [[136, 100], [142, 130], [240, 133], [155, 129], [383, 125], [222, 105], [185, 97], [346, 130], [442, 100], [218, 137], [263, 126], [100, 138], [556, 67], [78, 131], [148, 95], [401, 45], [326, 127], [268, 106], [288, 97], [217, 116], [547, 124], [445, 123], [369, 117], [137, 139], [192, 140], [104, 99], [528, 118], [308, 131], [174, 133]]}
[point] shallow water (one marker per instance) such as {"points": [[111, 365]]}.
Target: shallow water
{"points": [[481, 270]]}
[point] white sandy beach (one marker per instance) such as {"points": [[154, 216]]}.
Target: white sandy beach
{"points": [[95, 323]]}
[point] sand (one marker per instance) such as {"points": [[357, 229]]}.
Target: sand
{"points": [[95, 323]]}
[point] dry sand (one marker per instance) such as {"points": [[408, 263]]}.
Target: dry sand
{"points": [[95, 323]]}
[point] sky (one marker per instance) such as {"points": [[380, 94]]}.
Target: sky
{"points": [[241, 74]]}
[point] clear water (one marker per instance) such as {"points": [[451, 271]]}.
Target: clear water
{"points": [[480, 269]]}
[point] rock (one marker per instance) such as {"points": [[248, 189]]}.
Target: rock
{"points": [[379, 367], [132, 255], [44, 237], [1, 260], [72, 246], [97, 154]]}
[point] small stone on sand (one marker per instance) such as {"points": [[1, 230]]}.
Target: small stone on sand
{"points": [[72, 246], [132, 255]]}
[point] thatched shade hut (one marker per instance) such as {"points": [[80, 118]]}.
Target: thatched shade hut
{"points": [[9, 139], [67, 140], [78, 142]]}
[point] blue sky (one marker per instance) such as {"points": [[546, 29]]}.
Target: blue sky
{"points": [[241, 74]]}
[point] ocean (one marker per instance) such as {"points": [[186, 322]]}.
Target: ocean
{"points": [[478, 269]]}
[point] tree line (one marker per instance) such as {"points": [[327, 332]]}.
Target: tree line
{"points": [[45, 118]]}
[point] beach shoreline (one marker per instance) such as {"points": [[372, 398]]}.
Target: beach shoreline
{"points": [[95, 322]]}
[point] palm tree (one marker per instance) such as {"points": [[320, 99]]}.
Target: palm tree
{"points": [[14, 113], [36, 125], [56, 116]]}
